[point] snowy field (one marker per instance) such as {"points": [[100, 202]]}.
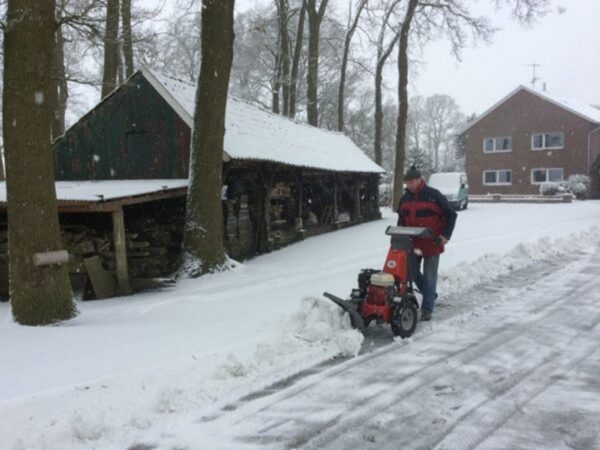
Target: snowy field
{"points": [[146, 371]]}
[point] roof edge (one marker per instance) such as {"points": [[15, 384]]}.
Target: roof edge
{"points": [[533, 92]]}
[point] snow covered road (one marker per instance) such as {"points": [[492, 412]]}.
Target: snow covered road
{"points": [[519, 371], [243, 358]]}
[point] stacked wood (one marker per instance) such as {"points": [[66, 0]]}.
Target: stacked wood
{"points": [[245, 229]]}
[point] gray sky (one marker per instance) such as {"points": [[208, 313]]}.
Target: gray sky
{"points": [[565, 43]]}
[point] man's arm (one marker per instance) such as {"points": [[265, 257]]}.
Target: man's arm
{"points": [[449, 216]]}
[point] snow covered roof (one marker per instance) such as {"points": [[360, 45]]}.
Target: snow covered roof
{"points": [[255, 134], [576, 107], [106, 190]]}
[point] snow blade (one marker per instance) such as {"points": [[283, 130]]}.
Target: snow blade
{"points": [[355, 318]]}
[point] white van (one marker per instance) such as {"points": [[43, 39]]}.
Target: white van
{"points": [[454, 186]]}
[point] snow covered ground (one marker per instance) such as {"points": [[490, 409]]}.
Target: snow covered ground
{"points": [[151, 370]]}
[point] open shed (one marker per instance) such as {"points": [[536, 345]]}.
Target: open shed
{"points": [[283, 180]]}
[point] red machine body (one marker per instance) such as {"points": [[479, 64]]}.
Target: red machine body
{"points": [[386, 296]]}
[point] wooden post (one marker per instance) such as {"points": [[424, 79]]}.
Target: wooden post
{"points": [[357, 212], [335, 202], [299, 200], [118, 219]]}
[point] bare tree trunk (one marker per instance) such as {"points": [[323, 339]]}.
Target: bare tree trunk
{"points": [[203, 234], [284, 54], [275, 83], [38, 294], [111, 48], [352, 24], [383, 54], [315, 17], [59, 93], [127, 37], [402, 100], [296, 60]]}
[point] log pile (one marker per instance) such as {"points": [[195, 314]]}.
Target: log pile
{"points": [[152, 249]]}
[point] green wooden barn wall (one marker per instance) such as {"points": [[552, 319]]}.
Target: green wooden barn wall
{"points": [[132, 134]]}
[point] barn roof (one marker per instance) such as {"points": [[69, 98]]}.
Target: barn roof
{"points": [[252, 133], [574, 106], [106, 195]]}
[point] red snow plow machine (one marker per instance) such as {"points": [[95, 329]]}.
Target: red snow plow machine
{"points": [[387, 296]]}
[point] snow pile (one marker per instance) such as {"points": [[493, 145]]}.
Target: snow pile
{"points": [[490, 266], [318, 331]]}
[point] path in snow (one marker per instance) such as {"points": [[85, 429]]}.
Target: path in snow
{"points": [[517, 370]]}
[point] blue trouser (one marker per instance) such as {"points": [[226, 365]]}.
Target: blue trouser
{"points": [[426, 281]]}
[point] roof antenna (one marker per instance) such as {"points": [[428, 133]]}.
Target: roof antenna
{"points": [[534, 79]]}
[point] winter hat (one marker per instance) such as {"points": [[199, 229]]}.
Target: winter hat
{"points": [[412, 174]]}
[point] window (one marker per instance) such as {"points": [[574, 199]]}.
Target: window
{"points": [[539, 176], [544, 141], [497, 144], [497, 177]]}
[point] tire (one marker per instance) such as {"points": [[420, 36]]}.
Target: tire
{"points": [[404, 319]]}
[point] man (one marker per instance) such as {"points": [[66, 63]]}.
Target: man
{"points": [[424, 206]]}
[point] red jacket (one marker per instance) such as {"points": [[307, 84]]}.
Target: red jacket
{"points": [[427, 208]]}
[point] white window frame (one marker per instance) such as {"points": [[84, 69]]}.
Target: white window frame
{"points": [[494, 140], [547, 169], [544, 147], [497, 183]]}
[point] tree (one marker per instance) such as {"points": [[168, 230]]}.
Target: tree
{"points": [[127, 37], [38, 294], [283, 59], [352, 24], [402, 100], [296, 60], [203, 234], [453, 19], [383, 52], [315, 17], [441, 115], [111, 48]]}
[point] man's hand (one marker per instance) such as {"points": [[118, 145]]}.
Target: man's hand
{"points": [[443, 240]]}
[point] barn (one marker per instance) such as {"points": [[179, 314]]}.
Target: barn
{"points": [[283, 180]]}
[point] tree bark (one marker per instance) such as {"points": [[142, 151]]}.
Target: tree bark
{"points": [[38, 294], [383, 54], [296, 60], [284, 54], [315, 17], [203, 234], [59, 93], [111, 48], [276, 83], [402, 100], [127, 37], [353, 23]]}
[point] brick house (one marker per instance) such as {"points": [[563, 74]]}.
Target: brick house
{"points": [[530, 137]]}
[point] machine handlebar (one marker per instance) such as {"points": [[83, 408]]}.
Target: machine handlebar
{"points": [[408, 231]]}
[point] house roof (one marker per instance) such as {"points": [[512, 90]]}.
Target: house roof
{"points": [[252, 133], [576, 107]]}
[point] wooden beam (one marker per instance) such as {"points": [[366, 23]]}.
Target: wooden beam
{"points": [[357, 212], [299, 224], [118, 219]]}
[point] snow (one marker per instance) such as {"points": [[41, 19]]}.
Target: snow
{"points": [[165, 368], [106, 189], [252, 133]]}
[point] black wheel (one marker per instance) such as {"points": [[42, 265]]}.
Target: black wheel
{"points": [[404, 319]]}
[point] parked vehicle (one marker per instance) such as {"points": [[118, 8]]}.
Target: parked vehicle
{"points": [[454, 186]]}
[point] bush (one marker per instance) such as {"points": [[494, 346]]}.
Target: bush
{"points": [[579, 186], [550, 188]]}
